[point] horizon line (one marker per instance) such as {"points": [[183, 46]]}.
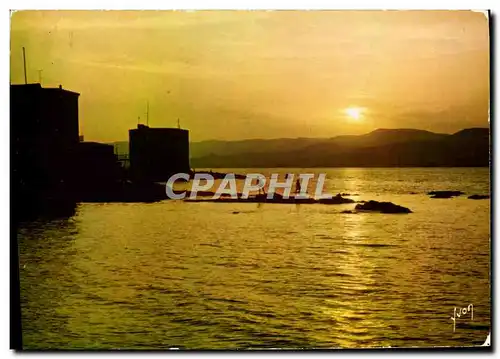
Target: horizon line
{"points": [[319, 138]]}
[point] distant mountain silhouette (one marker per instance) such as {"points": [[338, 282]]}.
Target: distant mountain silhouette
{"points": [[379, 148]]}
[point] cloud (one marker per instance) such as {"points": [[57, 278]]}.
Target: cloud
{"points": [[294, 69]]}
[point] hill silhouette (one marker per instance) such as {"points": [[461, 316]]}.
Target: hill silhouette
{"points": [[379, 148]]}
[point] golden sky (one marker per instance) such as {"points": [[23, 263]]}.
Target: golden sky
{"points": [[261, 74]]}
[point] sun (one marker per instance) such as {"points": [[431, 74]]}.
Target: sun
{"points": [[354, 113]]}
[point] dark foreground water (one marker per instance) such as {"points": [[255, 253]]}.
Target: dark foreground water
{"points": [[209, 275]]}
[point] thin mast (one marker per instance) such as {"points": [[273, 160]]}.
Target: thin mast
{"points": [[24, 60]]}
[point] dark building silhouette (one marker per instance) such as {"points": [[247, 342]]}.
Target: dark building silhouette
{"points": [[98, 165], [157, 153], [44, 140]]}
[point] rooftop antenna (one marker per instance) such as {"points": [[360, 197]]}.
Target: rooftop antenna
{"points": [[178, 123], [40, 76], [138, 120], [24, 60], [147, 113]]}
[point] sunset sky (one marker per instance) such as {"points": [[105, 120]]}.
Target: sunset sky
{"points": [[261, 74]]}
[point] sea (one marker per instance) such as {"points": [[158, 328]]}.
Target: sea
{"points": [[176, 274]]}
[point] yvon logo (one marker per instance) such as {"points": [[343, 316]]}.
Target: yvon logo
{"points": [[462, 312]]}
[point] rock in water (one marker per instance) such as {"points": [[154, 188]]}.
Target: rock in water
{"points": [[338, 199], [479, 196], [444, 194], [382, 207]]}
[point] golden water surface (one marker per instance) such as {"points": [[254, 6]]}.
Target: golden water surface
{"points": [[224, 276]]}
